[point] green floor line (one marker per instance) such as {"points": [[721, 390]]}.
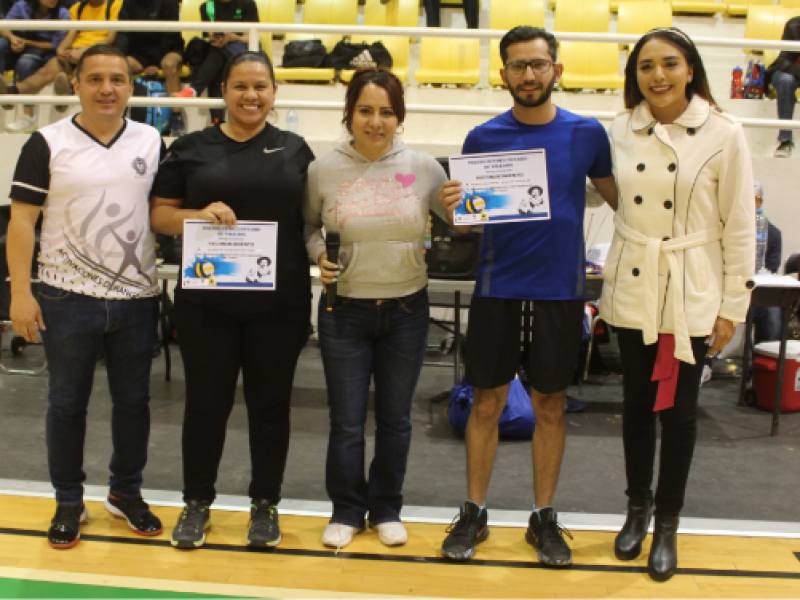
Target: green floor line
{"points": [[26, 588]]}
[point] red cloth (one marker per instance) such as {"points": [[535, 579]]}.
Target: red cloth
{"points": [[666, 372]]}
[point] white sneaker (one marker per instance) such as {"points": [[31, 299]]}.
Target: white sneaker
{"points": [[391, 533], [338, 535], [25, 125], [706, 374]]}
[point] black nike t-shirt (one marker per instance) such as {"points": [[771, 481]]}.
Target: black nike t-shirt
{"points": [[261, 179]]}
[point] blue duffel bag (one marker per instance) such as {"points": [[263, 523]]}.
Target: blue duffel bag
{"points": [[517, 420]]}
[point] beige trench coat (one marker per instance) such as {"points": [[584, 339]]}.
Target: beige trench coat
{"points": [[683, 251]]}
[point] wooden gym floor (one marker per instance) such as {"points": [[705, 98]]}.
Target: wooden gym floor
{"points": [[111, 561]]}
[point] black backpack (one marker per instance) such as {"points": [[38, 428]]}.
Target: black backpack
{"points": [[347, 55], [304, 54]]}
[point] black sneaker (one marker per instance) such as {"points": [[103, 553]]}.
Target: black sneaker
{"points": [[136, 511], [264, 529], [547, 536], [189, 532], [65, 528], [466, 531]]}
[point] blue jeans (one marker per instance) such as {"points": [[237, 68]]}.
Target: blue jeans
{"points": [[27, 63], [78, 328], [785, 87], [360, 339]]}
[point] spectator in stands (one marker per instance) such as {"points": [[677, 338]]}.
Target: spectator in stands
{"points": [[784, 74], [34, 53], [471, 12], [379, 324], [539, 261], [686, 222], [77, 42], [147, 51], [260, 172], [767, 319], [208, 76], [90, 176]]}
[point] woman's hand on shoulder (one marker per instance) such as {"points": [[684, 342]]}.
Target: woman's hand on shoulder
{"points": [[721, 336], [218, 213], [328, 272]]}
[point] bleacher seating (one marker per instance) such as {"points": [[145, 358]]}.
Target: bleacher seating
{"points": [[583, 16], [449, 61], [397, 13], [506, 14], [739, 8], [615, 4], [767, 23], [590, 66], [640, 17], [397, 47], [703, 7]]}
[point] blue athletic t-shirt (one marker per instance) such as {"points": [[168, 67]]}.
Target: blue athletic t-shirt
{"points": [[542, 260]]}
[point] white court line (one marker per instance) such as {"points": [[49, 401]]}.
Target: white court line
{"points": [[432, 514]]}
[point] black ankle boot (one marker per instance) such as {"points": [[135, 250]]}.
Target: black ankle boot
{"points": [[628, 544], [664, 552]]}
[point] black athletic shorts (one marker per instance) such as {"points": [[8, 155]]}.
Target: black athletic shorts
{"points": [[152, 57], [495, 345]]}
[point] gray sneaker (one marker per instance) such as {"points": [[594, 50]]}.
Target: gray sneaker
{"points": [[784, 149], [190, 530]]}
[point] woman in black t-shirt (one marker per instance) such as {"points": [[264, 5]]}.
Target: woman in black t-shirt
{"points": [[244, 169]]}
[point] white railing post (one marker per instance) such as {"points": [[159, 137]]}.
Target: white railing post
{"points": [[253, 43]]}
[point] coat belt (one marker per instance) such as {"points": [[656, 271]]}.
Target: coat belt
{"points": [[654, 247]]}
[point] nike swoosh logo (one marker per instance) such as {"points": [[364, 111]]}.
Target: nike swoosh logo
{"points": [[270, 151]]}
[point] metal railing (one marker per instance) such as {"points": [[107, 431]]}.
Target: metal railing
{"points": [[279, 28]]}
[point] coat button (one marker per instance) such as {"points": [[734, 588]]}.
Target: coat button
{"points": [[668, 204], [638, 200], [640, 167], [666, 239], [635, 272], [651, 131], [672, 167], [750, 284], [691, 131]]}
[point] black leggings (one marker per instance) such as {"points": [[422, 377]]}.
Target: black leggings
{"points": [[208, 76], [678, 424], [215, 346], [471, 12]]}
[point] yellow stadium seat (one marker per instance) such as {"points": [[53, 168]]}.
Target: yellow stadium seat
{"points": [[397, 47], [397, 13], [505, 15], [738, 8], [790, 3], [276, 11], [308, 73], [447, 60], [615, 4], [706, 7], [590, 65], [640, 17], [583, 16], [767, 23]]}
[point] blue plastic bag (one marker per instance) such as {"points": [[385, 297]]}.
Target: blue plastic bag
{"points": [[517, 420]]}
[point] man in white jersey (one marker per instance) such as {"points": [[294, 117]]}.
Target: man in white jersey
{"points": [[91, 176]]}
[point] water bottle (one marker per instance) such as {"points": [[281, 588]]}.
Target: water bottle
{"points": [[761, 241], [292, 121], [737, 87]]}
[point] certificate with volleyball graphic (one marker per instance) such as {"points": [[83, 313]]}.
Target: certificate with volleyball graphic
{"points": [[216, 257], [501, 187]]}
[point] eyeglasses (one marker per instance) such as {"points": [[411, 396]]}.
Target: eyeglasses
{"points": [[519, 67]]}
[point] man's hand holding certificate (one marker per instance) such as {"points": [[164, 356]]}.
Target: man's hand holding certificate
{"points": [[501, 187]]}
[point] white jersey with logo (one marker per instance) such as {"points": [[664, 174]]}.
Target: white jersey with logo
{"points": [[96, 237]]}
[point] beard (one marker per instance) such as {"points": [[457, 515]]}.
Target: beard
{"points": [[523, 101]]}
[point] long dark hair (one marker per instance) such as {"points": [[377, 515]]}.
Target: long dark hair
{"points": [[52, 13], [674, 37]]}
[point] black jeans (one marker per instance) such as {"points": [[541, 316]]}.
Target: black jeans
{"points": [[208, 76], [678, 424], [215, 346], [471, 12]]}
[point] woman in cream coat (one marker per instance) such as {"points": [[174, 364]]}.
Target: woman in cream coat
{"points": [[679, 272]]}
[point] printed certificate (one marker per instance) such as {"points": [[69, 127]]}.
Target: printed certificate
{"points": [[501, 187], [229, 258]]}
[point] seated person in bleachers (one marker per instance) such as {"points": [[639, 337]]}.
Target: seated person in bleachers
{"points": [[147, 51], [471, 12], [208, 76], [784, 74], [32, 54], [767, 319], [76, 42]]}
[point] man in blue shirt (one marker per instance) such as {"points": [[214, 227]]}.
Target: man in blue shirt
{"points": [[540, 261]]}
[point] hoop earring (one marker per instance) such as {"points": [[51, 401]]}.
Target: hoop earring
{"points": [[400, 129]]}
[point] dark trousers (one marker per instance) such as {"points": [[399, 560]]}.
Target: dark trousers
{"points": [[678, 424], [359, 341], [216, 346], [78, 328], [208, 76], [471, 11], [785, 87]]}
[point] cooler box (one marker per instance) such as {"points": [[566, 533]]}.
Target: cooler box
{"points": [[765, 375]]}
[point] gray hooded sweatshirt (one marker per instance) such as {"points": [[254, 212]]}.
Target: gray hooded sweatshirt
{"points": [[380, 209]]}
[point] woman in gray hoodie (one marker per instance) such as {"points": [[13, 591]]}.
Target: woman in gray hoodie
{"points": [[376, 193]]}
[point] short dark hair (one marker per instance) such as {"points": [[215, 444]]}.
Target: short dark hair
{"points": [[248, 56], [382, 78], [101, 50], [525, 33], [535, 187], [678, 39]]}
